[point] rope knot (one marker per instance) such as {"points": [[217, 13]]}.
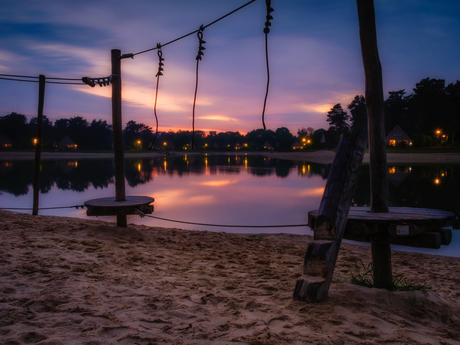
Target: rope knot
{"points": [[160, 60], [201, 41], [268, 17]]}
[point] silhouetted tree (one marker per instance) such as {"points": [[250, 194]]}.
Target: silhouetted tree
{"points": [[396, 112], [284, 139], [358, 113], [337, 119], [14, 126]]}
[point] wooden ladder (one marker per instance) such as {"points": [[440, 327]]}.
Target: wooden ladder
{"points": [[329, 228]]}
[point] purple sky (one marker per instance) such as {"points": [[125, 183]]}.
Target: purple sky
{"points": [[315, 57]]}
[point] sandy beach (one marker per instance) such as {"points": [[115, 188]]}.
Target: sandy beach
{"points": [[77, 281], [81, 281]]}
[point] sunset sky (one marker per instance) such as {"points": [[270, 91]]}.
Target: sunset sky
{"points": [[314, 51]]}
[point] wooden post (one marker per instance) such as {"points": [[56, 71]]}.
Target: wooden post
{"points": [[118, 134], [381, 259], [321, 254], [38, 144], [375, 106]]}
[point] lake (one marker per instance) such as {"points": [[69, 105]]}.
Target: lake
{"points": [[226, 189]]}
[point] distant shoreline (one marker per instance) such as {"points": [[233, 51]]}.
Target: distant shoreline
{"points": [[321, 157]]}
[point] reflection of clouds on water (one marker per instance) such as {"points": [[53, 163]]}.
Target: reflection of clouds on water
{"points": [[312, 192]]}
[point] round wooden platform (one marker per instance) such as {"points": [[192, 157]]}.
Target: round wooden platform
{"points": [[419, 227], [110, 207]]}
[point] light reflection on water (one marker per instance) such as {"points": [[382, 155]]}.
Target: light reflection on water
{"points": [[222, 189]]}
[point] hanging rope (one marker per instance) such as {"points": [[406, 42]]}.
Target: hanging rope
{"points": [[266, 31], [198, 59], [159, 73]]}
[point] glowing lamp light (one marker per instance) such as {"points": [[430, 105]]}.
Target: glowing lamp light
{"points": [[438, 131], [165, 143], [308, 141], [35, 141], [437, 181], [303, 139]]}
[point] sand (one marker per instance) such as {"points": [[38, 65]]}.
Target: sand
{"points": [[77, 281]]}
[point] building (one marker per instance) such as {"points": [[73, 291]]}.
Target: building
{"points": [[397, 137], [66, 144], [5, 142]]}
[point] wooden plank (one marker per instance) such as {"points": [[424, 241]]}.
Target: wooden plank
{"points": [[374, 105], [321, 255]]}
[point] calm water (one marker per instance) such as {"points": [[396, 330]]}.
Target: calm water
{"points": [[223, 189]]}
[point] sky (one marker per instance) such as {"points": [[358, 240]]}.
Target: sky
{"points": [[314, 55]]}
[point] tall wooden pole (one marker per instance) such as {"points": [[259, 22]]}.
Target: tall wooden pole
{"points": [[38, 144], [118, 134], [374, 103]]}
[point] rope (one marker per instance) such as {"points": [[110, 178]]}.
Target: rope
{"points": [[43, 208], [31, 77], [29, 81], [159, 73], [222, 225], [193, 32], [36, 81], [266, 31], [18, 76], [198, 59]]}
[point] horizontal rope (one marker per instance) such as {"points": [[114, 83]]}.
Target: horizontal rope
{"points": [[141, 214], [18, 76], [223, 225], [47, 82], [42, 208], [31, 77], [14, 79], [194, 32]]}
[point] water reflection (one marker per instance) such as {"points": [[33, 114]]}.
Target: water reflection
{"points": [[429, 186], [79, 175]]}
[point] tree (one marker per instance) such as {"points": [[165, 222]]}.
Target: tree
{"points": [[284, 139], [337, 119], [47, 131], [135, 132], [358, 113], [14, 126], [427, 105], [396, 112], [101, 135], [77, 131], [452, 126]]}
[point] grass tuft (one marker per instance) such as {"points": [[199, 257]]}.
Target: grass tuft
{"points": [[363, 276]]}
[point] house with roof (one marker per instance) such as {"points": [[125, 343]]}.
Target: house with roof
{"points": [[397, 137], [66, 144], [5, 142]]}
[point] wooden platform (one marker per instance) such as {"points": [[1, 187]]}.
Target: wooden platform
{"points": [[110, 207], [415, 227]]}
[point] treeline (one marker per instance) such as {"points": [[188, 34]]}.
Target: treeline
{"points": [[97, 135], [430, 115]]}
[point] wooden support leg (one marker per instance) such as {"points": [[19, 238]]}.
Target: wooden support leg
{"points": [[381, 259], [122, 221]]}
